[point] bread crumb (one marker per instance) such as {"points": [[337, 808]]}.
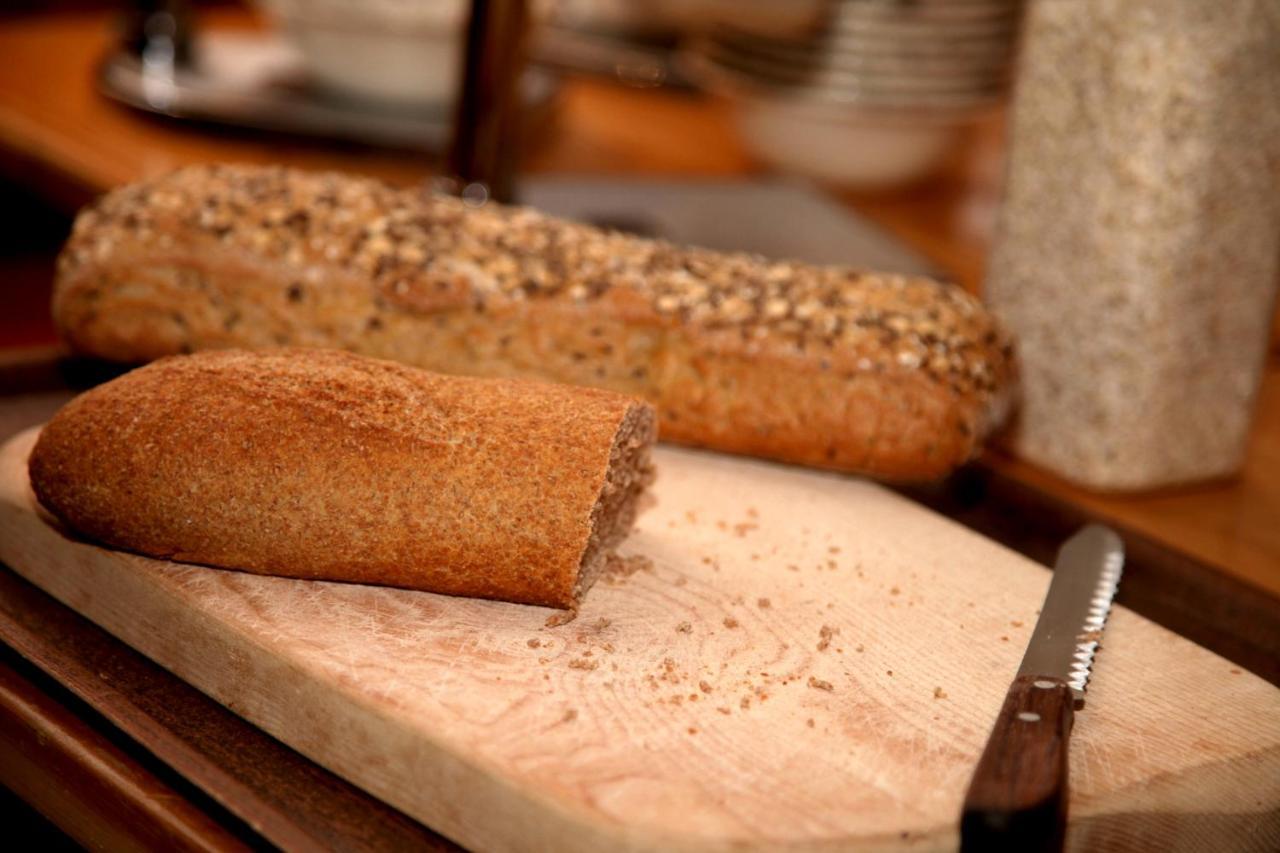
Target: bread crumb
{"points": [[561, 617], [669, 674], [741, 529], [535, 643], [763, 603], [583, 663], [570, 715], [939, 693], [601, 623], [834, 549], [684, 628], [832, 565], [704, 686], [609, 647], [1016, 623], [730, 622], [792, 567], [860, 648], [894, 590], [889, 673], [618, 568], [693, 730], [819, 684], [809, 722], [723, 710], [1004, 638], [825, 633]]}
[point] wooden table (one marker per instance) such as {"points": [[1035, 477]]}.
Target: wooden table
{"points": [[65, 144]]}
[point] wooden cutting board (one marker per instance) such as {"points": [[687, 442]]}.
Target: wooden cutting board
{"points": [[810, 662]]}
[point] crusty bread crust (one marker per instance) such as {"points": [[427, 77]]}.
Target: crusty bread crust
{"points": [[323, 464], [900, 377]]}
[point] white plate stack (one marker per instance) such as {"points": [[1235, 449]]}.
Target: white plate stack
{"points": [[874, 94]]}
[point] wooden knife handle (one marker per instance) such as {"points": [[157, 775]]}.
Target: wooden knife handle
{"points": [[1018, 797]]}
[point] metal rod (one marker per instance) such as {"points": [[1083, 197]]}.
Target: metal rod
{"points": [[159, 31], [485, 150]]}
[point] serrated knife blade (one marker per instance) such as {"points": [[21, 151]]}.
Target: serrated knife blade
{"points": [[1017, 799], [1085, 579]]}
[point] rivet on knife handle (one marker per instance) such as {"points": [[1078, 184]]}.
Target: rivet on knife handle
{"points": [[1017, 799]]}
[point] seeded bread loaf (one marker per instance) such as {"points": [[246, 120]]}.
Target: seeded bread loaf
{"points": [[328, 465], [895, 376]]}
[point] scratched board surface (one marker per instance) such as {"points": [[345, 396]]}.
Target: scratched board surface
{"points": [[787, 659]]}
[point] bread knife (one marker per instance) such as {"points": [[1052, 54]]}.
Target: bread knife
{"points": [[1017, 799]]}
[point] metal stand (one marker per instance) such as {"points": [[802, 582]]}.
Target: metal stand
{"points": [[487, 129]]}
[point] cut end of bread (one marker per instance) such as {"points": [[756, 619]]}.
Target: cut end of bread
{"points": [[630, 472]]}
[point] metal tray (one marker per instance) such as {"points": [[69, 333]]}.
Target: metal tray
{"points": [[255, 80]]}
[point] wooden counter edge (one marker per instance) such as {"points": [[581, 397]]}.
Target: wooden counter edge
{"points": [[90, 788]]}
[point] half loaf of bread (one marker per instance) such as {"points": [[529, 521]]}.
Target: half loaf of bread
{"points": [[328, 465]]}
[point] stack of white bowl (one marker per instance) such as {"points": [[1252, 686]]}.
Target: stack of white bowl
{"points": [[399, 53], [875, 94]]}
